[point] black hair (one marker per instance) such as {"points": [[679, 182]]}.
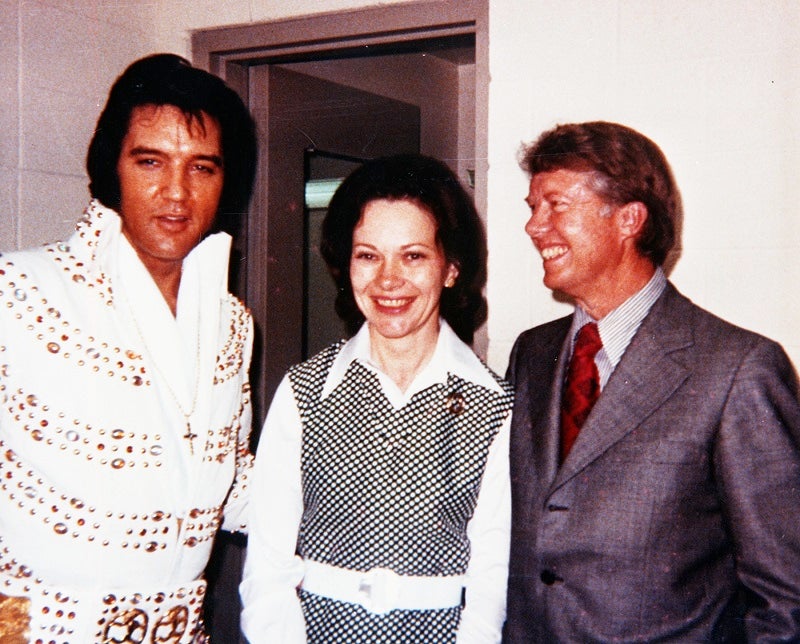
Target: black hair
{"points": [[432, 186], [168, 79]]}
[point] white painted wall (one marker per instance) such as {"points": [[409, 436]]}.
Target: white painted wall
{"points": [[714, 82], [58, 60]]}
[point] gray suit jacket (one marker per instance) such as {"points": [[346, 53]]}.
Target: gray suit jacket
{"points": [[677, 514]]}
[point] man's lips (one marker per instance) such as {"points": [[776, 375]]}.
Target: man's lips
{"points": [[173, 221]]}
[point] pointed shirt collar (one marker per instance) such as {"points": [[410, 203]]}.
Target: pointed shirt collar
{"points": [[450, 356], [618, 327]]}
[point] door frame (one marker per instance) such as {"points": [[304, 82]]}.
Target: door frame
{"points": [[235, 54]]}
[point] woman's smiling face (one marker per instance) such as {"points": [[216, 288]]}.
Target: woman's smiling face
{"points": [[398, 269]]}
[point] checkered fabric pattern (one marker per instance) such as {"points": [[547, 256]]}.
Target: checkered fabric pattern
{"points": [[390, 488]]}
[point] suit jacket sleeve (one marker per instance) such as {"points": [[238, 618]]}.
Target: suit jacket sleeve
{"points": [[757, 468]]}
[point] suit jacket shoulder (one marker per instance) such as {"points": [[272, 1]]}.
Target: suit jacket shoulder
{"points": [[692, 335], [536, 350]]}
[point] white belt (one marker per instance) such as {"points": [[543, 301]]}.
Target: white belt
{"points": [[169, 614], [381, 590]]}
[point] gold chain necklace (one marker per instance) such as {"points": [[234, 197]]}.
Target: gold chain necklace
{"points": [[189, 435]]}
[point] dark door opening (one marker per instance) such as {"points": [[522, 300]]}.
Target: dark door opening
{"points": [[324, 172], [305, 112]]}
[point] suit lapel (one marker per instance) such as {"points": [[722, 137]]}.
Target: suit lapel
{"points": [[643, 381], [545, 371]]}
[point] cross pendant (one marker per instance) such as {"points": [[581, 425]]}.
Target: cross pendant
{"points": [[190, 436]]}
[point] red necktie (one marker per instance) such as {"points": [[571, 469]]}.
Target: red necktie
{"points": [[582, 386]]}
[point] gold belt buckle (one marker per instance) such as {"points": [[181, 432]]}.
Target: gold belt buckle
{"points": [[130, 627], [171, 627], [15, 619]]}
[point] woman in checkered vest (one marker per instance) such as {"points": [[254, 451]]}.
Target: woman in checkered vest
{"points": [[380, 508]]}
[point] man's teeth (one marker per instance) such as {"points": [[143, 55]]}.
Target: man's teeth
{"points": [[553, 251]]}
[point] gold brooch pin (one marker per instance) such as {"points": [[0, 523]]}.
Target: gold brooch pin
{"points": [[455, 403]]}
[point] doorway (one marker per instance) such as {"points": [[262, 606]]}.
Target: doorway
{"points": [[424, 65], [429, 55], [306, 118], [325, 171]]}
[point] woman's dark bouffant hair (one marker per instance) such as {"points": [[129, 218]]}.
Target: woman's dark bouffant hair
{"points": [[432, 186], [631, 168], [167, 79]]}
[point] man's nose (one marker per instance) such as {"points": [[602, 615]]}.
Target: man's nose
{"points": [[538, 222], [175, 185]]}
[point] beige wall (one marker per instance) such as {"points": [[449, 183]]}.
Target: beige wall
{"points": [[59, 58], [714, 82]]}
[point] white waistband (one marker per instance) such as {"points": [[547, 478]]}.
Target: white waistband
{"points": [[381, 590]]}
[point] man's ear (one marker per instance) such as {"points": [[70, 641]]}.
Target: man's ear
{"points": [[632, 218]]}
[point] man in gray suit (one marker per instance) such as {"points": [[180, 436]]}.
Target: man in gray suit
{"points": [[670, 508]]}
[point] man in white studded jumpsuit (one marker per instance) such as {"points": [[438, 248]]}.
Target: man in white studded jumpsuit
{"points": [[124, 375]]}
